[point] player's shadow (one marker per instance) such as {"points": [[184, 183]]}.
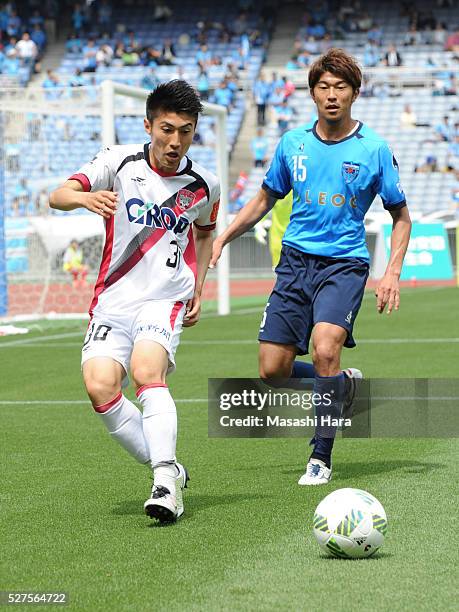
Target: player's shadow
{"points": [[194, 503], [376, 557], [359, 469]]}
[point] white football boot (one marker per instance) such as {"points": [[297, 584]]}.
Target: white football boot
{"points": [[164, 506], [317, 473]]}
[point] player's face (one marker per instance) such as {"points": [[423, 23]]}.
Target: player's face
{"points": [[333, 97], [171, 137]]}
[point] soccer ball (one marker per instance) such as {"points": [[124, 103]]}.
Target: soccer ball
{"points": [[350, 524]]}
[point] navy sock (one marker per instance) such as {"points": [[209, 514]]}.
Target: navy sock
{"points": [[303, 370], [331, 391]]}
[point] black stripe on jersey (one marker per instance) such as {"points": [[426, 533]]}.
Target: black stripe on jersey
{"points": [[130, 158], [194, 186], [203, 183], [146, 232]]}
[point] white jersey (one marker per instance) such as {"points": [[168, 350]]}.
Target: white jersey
{"points": [[149, 249]]}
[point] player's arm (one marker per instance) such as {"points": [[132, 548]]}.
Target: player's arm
{"points": [[388, 289], [203, 242], [247, 217], [71, 195]]}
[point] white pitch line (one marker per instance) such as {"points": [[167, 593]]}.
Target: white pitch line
{"points": [[37, 344], [25, 341], [80, 402]]}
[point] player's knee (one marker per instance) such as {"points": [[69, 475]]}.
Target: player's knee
{"points": [[325, 357], [274, 370], [147, 374], [101, 389]]}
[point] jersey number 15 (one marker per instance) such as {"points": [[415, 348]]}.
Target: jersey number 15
{"points": [[299, 167]]}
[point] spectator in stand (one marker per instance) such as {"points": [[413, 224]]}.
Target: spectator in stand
{"points": [[104, 55], [204, 57], [203, 84], [444, 130], [38, 36], [22, 197], [27, 50], [311, 45], [364, 22], [277, 97], [223, 94], [439, 34], [78, 19], [276, 81], [288, 87], [11, 62], [450, 85], [73, 264], [162, 11], [74, 44], [412, 37], [4, 16], [261, 93], [208, 135], [14, 24], [392, 57], [284, 117], [51, 86], [408, 117], [150, 80], [243, 52], [104, 16], [131, 57], [131, 43], [452, 42], [430, 165], [259, 146], [371, 55], [89, 56], [41, 203], [168, 53], [240, 24], [376, 35], [92, 92], [77, 80], [35, 19], [452, 155]]}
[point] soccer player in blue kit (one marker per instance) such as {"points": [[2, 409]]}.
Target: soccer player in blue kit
{"points": [[336, 166]]}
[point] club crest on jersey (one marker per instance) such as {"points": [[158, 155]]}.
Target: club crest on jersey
{"points": [[350, 171], [185, 198]]}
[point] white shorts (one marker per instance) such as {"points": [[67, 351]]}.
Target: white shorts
{"points": [[115, 337]]}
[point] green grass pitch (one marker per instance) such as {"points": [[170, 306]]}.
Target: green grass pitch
{"points": [[72, 501]]}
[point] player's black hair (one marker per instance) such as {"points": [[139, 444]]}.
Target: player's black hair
{"points": [[176, 96]]}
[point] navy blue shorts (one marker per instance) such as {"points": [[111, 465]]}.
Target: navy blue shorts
{"points": [[311, 289]]}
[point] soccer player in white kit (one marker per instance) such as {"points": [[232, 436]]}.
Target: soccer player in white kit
{"points": [[159, 209]]}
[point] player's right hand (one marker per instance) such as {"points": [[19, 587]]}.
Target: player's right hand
{"points": [[217, 248], [102, 203]]}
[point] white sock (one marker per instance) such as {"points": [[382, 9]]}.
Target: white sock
{"points": [[160, 431], [124, 423]]}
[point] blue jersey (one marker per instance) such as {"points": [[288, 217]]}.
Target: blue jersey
{"points": [[334, 184]]}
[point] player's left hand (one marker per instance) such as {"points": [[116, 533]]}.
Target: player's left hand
{"points": [[193, 311], [388, 293]]}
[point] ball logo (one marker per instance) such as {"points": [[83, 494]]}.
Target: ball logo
{"points": [[185, 198]]}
